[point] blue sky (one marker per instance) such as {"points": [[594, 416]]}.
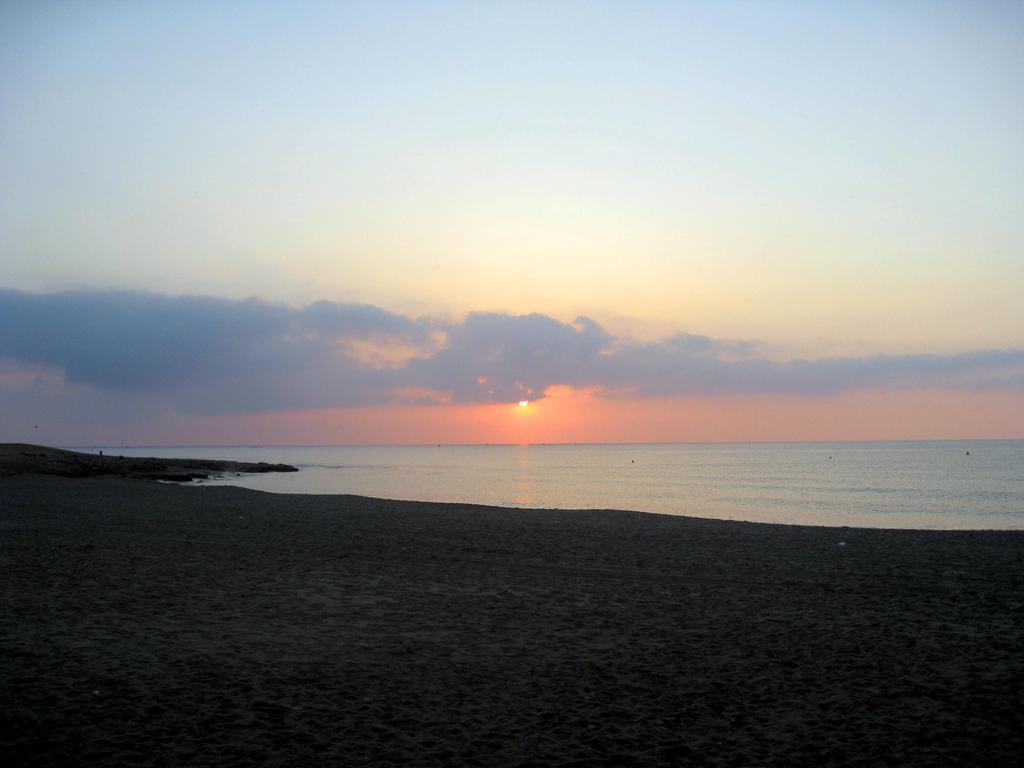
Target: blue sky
{"points": [[817, 180]]}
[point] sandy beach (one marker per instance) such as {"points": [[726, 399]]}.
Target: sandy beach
{"points": [[157, 624]]}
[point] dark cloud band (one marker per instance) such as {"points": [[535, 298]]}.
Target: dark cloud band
{"points": [[218, 355]]}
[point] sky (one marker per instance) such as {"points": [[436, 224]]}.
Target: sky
{"points": [[389, 222]]}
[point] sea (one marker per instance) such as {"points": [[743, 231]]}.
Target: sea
{"points": [[949, 485]]}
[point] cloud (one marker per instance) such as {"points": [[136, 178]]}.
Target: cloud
{"points": [[218, 354], [665, 369], [504, 358], [213, 355]]}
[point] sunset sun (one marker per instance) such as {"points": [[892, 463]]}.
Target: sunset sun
{"points": [[270, 270]]}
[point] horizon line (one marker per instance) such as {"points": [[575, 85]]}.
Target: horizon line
{"points": [[539, 444]]}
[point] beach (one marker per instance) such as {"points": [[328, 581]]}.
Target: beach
{"points": [[157, 624]]}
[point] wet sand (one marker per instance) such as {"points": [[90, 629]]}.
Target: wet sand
{"points": [[155, 624]]}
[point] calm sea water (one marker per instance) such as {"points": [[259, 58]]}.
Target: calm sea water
{"points": [[887, 485]]}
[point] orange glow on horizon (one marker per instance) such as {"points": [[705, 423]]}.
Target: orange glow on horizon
{"points": [[566, 415]]}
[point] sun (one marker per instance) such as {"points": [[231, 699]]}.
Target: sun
{"points": [[523, 403]]}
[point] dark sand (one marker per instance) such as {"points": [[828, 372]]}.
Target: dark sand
{"points": [[149, 624]]}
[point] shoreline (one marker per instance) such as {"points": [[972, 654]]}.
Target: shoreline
{"points": [[934, 487], [25, 458], [149, 623], [221, 482]]}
